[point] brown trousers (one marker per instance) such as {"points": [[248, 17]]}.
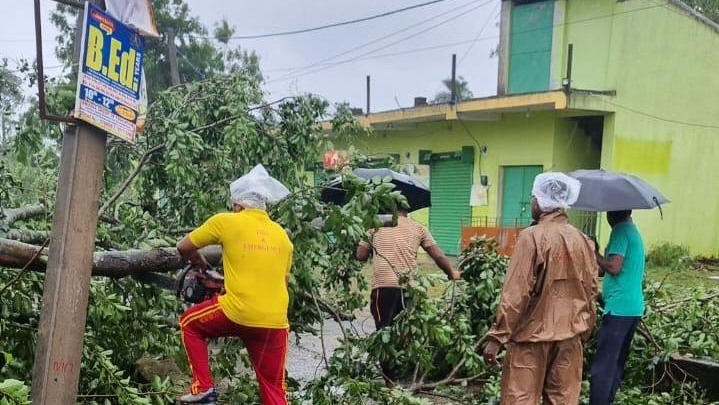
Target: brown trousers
{"points": [[545, 370]]}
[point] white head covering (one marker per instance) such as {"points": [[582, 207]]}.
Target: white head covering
{"points": [[555, 190], [256, 188]]}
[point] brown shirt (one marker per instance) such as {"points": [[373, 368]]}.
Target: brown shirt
{"points": [[395, 251], [551, 285]]}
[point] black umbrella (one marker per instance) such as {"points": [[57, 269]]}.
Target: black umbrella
{"points": [[417, 194]]}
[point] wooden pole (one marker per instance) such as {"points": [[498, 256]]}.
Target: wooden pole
{"points": [[172, 57], [56, 371]]}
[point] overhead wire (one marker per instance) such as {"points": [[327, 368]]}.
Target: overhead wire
{"points": [[389, 54], [295, 76], [405, 38], [379, 39], [194, 68], [476, 38], [658, 117], [338, 24]]}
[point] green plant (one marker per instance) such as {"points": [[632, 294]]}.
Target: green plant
{"points": [[14, 392], [666, 254]]}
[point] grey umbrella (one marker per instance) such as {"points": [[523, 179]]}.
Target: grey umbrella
{"points": [[610, 191]]}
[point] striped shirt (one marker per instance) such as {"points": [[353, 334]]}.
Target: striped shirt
{"points": [[395, 251]]}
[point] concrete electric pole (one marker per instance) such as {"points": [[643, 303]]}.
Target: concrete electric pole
{"points": [[56, 371]]}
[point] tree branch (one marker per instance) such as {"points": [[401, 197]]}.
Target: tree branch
{"points": [[125, 184], [329, 309], [234, 117], [26, 267], [422, 386], [115, 264], [27, 235], [13, 215], [681, 302]]}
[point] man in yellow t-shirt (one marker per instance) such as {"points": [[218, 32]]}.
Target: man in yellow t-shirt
{"points": [[257, 256]]}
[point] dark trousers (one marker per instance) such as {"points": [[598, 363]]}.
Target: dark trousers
{"points": [[607, 370], [385, 304]]}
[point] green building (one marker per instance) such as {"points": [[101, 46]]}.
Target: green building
{"points": [[637, 93]]}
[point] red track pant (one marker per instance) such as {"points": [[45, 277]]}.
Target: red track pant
{"points": [[267, 349]]}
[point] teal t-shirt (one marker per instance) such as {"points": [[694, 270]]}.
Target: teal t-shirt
{"points": [[623, 294]]}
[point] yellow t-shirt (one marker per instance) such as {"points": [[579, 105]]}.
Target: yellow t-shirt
{"points": [[257, 256]]}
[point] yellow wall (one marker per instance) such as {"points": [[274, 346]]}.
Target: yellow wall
{"points": [[665, 127], [538, 138]]}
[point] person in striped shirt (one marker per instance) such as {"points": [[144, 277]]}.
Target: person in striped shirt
{"points": [[394, 255]]}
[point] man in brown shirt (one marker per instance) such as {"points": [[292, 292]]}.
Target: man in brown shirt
{"points": [[547, 305]]}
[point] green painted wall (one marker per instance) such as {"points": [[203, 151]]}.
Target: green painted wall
{"points": [[530, 47], [662, 63], [573, 149], [515, 140]]}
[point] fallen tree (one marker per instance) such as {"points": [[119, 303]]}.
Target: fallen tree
{"points": [[13, 215], [114, 264]]}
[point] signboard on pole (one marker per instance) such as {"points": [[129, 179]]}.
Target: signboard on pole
{"points": [[109, 75]]}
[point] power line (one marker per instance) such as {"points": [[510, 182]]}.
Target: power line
{"points": [[657, 117], [376, 40], [384, 55], [476, 38], [186, 59], [295, 76], [338, 24], [405, 38]]}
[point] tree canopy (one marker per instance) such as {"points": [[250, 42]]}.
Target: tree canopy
{"points": [[462, 91]]}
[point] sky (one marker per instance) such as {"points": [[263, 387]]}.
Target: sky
{"points": [[389, 49]]}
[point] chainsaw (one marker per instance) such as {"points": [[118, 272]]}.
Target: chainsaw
{"points": [[197, 285]]}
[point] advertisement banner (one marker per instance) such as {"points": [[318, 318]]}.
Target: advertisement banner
{"points": [[135, 13], [110, 74]]}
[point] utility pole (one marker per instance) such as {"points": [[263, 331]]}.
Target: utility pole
{"points": [[58, 355], [172, 57], [453, 98], [368, 94]]}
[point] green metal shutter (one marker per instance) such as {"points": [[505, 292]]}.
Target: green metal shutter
{"points": [[451, 183], [530, 47]]}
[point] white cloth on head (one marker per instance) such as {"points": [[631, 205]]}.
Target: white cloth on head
{"points": [[257, 188], [555, 191]]}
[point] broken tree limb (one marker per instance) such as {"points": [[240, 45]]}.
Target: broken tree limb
{"points": [[13, 215], [26, 267], [157, 280], [329, 309], [115, 264], [27, 235], [141, 265], [125, 184], [681, 302]]}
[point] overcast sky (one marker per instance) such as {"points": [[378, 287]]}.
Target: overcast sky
{"points": [[397, 66]]}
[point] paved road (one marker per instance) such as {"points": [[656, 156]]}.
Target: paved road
{"points": [[304, 360]]}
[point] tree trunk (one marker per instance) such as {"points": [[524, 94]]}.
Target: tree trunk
{"points": [[116, 264]]}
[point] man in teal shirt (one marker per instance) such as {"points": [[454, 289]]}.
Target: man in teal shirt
{"points": [[623, 271]]}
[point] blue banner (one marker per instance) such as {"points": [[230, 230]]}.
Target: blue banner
{"points": [[110, 74]]}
